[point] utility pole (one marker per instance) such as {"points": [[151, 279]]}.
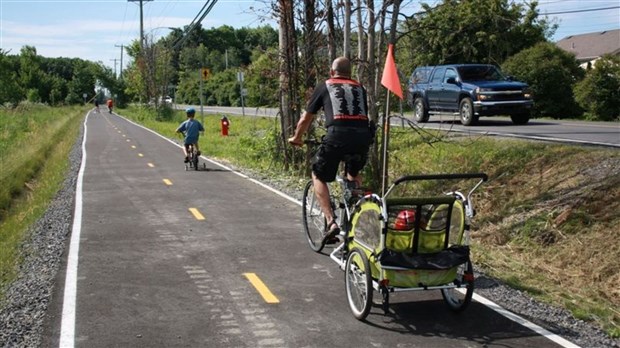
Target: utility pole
{"points": [[141, 56], [141, 22], [115, 60], [121, 46]]}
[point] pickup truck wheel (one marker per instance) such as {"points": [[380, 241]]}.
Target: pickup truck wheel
{"points": [[520, 119], [420, 114], [466, 111]]}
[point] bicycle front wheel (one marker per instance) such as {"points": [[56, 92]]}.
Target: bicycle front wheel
{"points": [[313, 220]]}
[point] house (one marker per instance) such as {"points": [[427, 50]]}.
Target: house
{"points": [[587, 48]]}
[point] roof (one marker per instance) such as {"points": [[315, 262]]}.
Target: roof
{"points": [[592, 45]]}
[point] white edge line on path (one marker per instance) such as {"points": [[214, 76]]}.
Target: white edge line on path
{"points": [[67, 328], [539, 330], [488, 303]]}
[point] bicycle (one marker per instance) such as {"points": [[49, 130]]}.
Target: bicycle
{"points": [[403, 241], [343, 196], [193, 158]]}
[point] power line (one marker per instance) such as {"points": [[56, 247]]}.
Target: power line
{"points": [[199, 18], [580, 11]]}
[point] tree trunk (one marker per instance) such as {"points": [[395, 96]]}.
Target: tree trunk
{"points": [[289, 113], [393, 26], [375, 167], [331, 31], [310, 47], [385, 121], [360, 43], [347, 29]]}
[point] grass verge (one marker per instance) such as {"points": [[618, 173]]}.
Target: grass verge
{"points": [[36, 141]]}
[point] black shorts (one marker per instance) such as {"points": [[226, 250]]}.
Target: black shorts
{"points": [[350, 146]]}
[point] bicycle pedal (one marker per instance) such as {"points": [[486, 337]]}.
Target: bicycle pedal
{"points": [[337, 239]]}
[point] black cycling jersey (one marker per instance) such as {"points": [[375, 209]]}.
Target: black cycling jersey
{"points": [[344, 101]]}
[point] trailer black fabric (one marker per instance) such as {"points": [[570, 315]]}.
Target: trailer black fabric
{"points": [[445, 259]]}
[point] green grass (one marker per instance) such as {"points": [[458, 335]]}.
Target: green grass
{"points": [[35, 142], [254, 135]]}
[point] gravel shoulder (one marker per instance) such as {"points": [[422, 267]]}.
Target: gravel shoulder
{"points": [[24, 309]]}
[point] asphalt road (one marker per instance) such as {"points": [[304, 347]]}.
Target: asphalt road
{"points": [[175, 258], [577, 132]]}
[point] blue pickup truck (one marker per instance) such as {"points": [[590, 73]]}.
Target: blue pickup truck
{"points": [[469, 90]]}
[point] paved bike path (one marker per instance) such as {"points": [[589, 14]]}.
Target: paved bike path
{"points": [[150, 273]]}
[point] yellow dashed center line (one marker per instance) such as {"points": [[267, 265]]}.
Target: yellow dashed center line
{"points": [[128, 140], [133, 146], [124, 135], [196, 214], [141, 155], [261, 288], [167, 182], [150, 165]]}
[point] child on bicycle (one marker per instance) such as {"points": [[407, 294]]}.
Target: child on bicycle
{"points": [[191, 129]]}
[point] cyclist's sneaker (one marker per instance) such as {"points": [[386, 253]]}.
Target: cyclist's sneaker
{"points": [[186, 159]]}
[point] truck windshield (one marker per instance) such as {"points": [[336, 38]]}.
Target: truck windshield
{"points": [[480, 73]]}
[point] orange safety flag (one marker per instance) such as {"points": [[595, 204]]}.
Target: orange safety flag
{"points": [[390, 78]]}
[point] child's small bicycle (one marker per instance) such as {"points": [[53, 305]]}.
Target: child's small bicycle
{"points": [[193, 157]]}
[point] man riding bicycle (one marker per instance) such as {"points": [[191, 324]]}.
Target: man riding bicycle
{"points": [[345, 104], [191, 129]]}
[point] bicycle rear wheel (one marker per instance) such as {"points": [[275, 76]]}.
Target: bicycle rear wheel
{"points": [[195, 160], [313, 220]]}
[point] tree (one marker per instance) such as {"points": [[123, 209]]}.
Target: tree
{"points": [[30, 73], [474, 31], [10, 91], [599, 92], [262, 79], [551, 72]]}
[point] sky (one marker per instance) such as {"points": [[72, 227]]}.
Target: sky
{"points": [[94, 29]]}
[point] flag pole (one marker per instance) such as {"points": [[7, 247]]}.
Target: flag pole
{"points": [[390, 81], [386, 134]]}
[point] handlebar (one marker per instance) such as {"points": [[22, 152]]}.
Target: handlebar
{"points": [[482, 176]]}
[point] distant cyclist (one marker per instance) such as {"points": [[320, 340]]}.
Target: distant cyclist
{"points": [[97, 105], [110, 104], [191, 128]]}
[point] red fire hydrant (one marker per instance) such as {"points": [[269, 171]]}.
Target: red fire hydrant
{"points": [[225, 124]]}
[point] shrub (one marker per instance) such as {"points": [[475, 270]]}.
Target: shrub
{"points": [[599, 92], [551, 74]]}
